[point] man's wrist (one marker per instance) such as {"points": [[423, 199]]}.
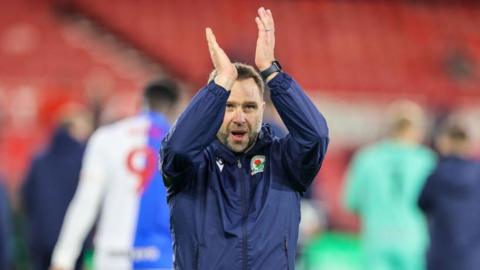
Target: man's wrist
{"points": [[271, 76], [264, 66], [224, 81], [270, 72]]}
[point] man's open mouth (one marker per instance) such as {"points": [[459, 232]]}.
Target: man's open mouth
{"points": [[238, 135]]}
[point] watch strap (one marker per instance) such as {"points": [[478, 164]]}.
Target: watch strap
{"points": [[274, 67]]}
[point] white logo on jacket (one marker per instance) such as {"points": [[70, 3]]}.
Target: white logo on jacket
{"points": [[220, 164]]}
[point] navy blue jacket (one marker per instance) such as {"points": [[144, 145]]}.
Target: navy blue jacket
{"points": [[49, 187], [451, 200], [224, 213]]}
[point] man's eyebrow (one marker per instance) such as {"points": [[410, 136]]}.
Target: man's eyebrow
{"points": [[250, 103]]}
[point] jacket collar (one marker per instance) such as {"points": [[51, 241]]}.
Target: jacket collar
{"points": [[264, 139]]}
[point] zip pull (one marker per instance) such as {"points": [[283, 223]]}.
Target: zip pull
{"points": [[239, 164]]}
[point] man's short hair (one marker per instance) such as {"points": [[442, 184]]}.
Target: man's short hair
{"points": [[161, 93], [244, 72]]}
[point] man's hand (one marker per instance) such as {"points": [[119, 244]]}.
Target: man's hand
{"points": [[264, 53], [55, 268], [226, 71]]}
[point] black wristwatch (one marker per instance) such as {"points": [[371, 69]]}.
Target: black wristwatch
{"points": [[275, 67]]}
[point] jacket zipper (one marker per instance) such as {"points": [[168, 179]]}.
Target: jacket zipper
{"points": [[286, 252], [197, 258], [244, 220]]}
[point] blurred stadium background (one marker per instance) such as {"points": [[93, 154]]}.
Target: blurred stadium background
{"points": [[353, 57]]}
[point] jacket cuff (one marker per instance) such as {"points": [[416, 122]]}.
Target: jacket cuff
{"points": [[280, 83], [216, 89]]}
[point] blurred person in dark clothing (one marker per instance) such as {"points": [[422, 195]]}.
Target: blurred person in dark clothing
{"points": [[51, 183], [451, 201], [5, 229]]}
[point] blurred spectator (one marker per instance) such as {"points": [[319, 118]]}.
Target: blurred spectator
{"points": [[451, 200], [5, 229], [51, 182], [383, 185], [314, 218], [120, 176]]}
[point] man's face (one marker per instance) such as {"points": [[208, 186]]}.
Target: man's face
{"points": [[243, 116]]}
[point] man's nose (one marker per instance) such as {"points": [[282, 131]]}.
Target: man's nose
{"points": [[239, 117]]}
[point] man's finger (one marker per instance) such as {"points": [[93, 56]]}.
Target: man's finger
{"points": [[266, 19], [212, 43], [261, 11], [262, 14], [210, 35], [261, 27], [270, 19]]}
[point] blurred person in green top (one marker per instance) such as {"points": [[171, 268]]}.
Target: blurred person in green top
{"points": [[383, 184]]}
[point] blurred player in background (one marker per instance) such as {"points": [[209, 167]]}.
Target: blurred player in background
{"points": [[51, 183], [451, 201], [120, 180], [383, 185]]}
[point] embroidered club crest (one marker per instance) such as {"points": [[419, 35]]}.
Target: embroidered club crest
{"points": [[257, 164]]}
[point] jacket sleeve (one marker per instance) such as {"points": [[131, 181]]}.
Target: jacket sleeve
{"points": [[195, 129], [303, 150], [85, 205]]}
